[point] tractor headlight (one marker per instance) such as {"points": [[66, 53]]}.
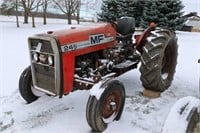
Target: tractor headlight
{"points": [[50, 60], [35, 57]]}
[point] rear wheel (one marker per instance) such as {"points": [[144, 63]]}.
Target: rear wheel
{"points": [[109, 107], [26, 86], [159, 59]]}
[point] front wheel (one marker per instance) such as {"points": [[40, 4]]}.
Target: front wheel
{"points": [[26, 86], [109, 107]]}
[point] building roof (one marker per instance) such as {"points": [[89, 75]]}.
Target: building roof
{"points": [[193, 21]]}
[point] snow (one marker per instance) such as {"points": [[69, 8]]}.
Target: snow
{"points": [[51, 114], [179, 113], [165, 75], [97, 90]]}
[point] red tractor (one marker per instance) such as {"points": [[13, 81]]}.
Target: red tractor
{"points": [[91, 57]]}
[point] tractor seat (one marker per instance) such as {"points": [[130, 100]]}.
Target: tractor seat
{"points": [[125, 28]]}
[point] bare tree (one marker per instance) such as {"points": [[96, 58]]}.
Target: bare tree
{"points": [[10, 6], [44, 7], [34, 10], [7, 7], [29, 7], [16, 7], [92, 5], [68, 7], [26, 5], [76, 11]]}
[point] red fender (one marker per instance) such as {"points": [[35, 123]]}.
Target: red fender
{"points": [[141, 39]]}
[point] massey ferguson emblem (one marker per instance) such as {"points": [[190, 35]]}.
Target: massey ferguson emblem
{"points": [[96, 39], [93, 40]]}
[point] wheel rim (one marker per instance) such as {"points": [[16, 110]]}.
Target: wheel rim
{"points": [[111, 106], [167, 62]]}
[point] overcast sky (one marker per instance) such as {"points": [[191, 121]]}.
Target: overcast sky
{"points": [[192, 6]]}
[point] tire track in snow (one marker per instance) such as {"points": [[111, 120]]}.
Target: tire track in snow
{"points": [[6, 121], [41, 118]]}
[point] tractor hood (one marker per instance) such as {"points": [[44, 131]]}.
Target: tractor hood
{"points": [[83, 33]]}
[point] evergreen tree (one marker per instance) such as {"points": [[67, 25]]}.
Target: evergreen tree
{"points": [[150, 13], [163, 13], [135, 9], [176, 19], [122, 8], [111, 10]]}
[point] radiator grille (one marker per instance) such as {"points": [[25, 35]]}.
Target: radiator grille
{"points": [[44, 74], [45, 45], [45, 77]]}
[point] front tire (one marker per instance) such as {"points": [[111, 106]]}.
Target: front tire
{"points": [[26, 86], [109, 107], [158, 60]]}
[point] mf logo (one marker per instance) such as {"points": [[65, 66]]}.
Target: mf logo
{"points": [[96, 39]]}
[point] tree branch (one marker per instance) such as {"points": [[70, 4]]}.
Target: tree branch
{"points": [[59, 6]]}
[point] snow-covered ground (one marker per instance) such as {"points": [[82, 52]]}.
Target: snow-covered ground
{"points": [[54, 115]]}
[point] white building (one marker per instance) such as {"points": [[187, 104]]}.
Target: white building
{"points": [[194, 23]]}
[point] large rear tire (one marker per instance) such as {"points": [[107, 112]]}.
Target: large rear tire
{"points": [[109, 107], [26, 86], [158, 60]]}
